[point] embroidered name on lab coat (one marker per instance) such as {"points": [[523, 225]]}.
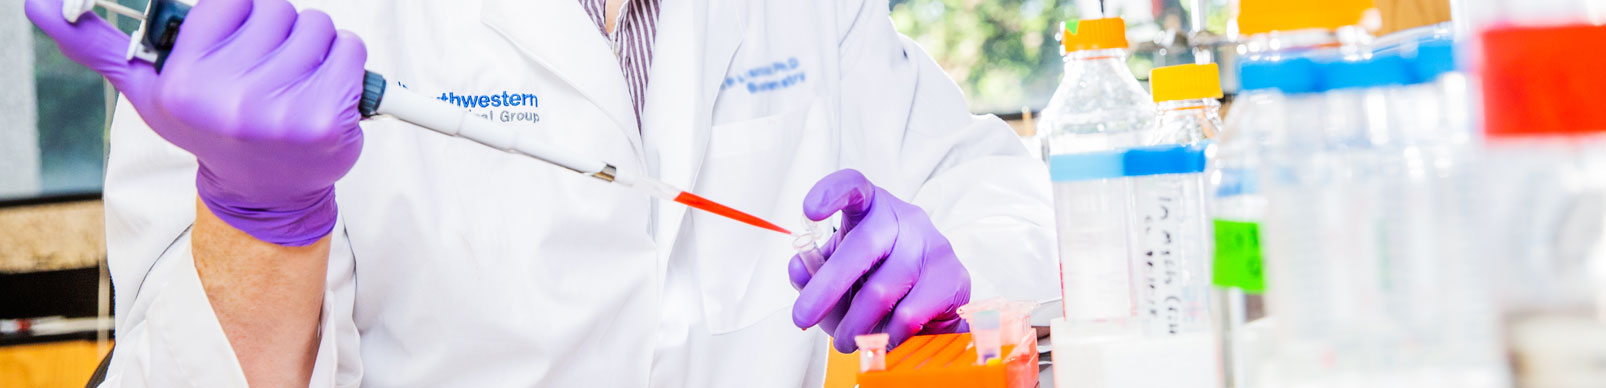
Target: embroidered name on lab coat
{"points": [[768, 77]]}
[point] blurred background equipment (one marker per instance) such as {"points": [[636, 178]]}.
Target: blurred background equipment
{"points": [[55, 313], [55, 297], [1004, 54]]}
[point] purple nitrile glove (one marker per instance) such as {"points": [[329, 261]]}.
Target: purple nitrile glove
{"points": [[265, 97], [888, 269]]}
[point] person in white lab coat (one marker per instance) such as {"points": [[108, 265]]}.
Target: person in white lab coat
{"points": [[436, 261]]}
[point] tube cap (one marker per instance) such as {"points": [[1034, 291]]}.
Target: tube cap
{"points": [[1185, 82], [1538, 81], [1263, 16], [1095, 34]]}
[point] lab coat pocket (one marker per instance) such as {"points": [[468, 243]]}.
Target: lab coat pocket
{"points": [[764, 166]]}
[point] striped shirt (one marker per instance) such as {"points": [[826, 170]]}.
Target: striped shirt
{"points": [[632, 41]]}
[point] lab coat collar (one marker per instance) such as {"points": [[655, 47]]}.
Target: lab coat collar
{"points": [[559, 35], [696, 41], [722, 32]]}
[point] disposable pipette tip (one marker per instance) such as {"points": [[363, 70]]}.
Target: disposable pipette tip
{"points": [[704, 204]]}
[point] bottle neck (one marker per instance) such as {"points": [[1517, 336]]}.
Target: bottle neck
{"points": [[1188, 121], [1348, 41], [1118, 55], [1182, 106]]}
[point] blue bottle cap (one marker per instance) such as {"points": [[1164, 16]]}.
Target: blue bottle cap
{"points": [[1381, 70], [1433, 59], [1295, 75]]}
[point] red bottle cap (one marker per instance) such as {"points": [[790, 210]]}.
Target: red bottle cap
{"points": [[1544, 81]]}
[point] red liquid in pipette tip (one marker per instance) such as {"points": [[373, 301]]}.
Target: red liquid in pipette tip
{"points": [[695, 201]]}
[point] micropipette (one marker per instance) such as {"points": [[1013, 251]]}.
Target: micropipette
{"points": [[158, 32]]}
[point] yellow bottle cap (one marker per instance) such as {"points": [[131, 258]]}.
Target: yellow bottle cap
{"points": [[1095, 34], [1185, 82], [1262, 16]]}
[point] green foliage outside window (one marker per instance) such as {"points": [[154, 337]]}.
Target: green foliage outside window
{"points": [[1003, 53]]}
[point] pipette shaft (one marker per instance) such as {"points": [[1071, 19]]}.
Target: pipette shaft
{"points": [[452, 120]]}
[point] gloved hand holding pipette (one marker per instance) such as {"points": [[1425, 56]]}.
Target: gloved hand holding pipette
{"points": [[270, 146], [887, 270], [160, 30]]}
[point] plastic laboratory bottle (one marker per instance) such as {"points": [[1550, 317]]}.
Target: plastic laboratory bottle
{"points": [[1322, 278], [1370, 282], [1168, 231], [1098, 110], [1169, 256], [1435, 294], [1236, 210], [1275, 34], [1544, 178]]}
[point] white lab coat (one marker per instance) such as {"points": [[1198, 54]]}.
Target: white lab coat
{"points": [[457, 265]]}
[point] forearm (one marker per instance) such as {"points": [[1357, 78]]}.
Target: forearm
{"points": [[267, 298]]}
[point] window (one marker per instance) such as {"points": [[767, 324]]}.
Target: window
{"points": [[1005, 54], [53, 115]]}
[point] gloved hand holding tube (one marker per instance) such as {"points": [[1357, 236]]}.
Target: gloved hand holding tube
{"points": [[888, 270], [270, 145]]}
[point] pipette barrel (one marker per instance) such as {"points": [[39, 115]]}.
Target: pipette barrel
{"points": [[452, 120], [160, 31]]}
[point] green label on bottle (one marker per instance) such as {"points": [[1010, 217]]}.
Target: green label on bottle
{"points": [[1237, 261]]}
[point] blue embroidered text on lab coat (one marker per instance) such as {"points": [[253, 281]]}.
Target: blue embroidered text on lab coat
{"points": [[772, 76], [493, 100], [524, 105]]}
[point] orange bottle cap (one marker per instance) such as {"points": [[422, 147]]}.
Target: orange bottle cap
{"points": [[1095, 34], [1263, 16], [1185, 82]]}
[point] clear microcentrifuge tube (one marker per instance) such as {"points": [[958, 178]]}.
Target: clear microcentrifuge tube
{"points": [[984, 333], [807, 244], [872, 351]]}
